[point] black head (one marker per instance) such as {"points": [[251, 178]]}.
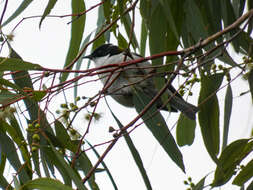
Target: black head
{"points": [[103, 50]]}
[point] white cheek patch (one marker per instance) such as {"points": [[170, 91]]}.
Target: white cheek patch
{"points": [[101, 61]]}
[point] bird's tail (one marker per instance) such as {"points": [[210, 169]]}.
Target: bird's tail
{"points": [[186, 108]]}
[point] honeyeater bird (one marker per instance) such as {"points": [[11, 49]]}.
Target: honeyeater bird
{"points": [[124, 80]]}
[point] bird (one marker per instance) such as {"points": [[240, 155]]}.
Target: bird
{"points": [[124, 80]]}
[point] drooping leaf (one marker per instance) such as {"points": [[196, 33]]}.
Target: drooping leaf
{"points": [[68, 170], [250, 187], [200, 184], [47, 165], [144, 36], [83, 163], [45, 184], [231, 157], [8, 147], [18, 11], [36, 162], [250, 81], [168, 13], [105, 167], [185, 130], [134, 152], [14, 64], [127, 22], [79, 62], [158, 127], [245, 174], [209, 113], [50, 6], [193, 16], [77, 29], [4, 183], [52, 159], [14, 132], [227, 114], [7, 98]]}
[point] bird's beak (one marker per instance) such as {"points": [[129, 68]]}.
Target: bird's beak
{"points": [[87, 57]]}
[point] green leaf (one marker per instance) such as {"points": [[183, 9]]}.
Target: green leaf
{"points": [[18, 11], [166, 7], [50, 6], [4, 183], [16, 135], [250, 187], [83, 163], [79, 63], [77, 28], [39, 94], [45, 184], [7, 146], [122, 42], [46, 164], [14, 64], [126, 20], [105, 167], [227, 114], [61, 133], [200, 184], [134, 152], [10, 84], [107, 7], [193, 16], [67, 169], [2, 163], [185, 130], [250, 80], [36, 162], [52, 162], [230, 158], [7, 98], [209, 113], [158, 127], [144, 35], [245, 174], [63, 137]]}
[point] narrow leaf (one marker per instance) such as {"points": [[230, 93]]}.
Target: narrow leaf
{"points": [[8, 147], [209, 113], [158, 127], [230, 158], [8, 97], [4, 184], [83, 163], [227, 114], [52, 162], [250, 80], [185, 130], [200, 184], [105, 167], [50, 6], [144, 35], [126, 19], [250, 187], [74, 176], [134, 152], [18, 11], [245, 174], [14, 64], [45, 184], [77, 28]]}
